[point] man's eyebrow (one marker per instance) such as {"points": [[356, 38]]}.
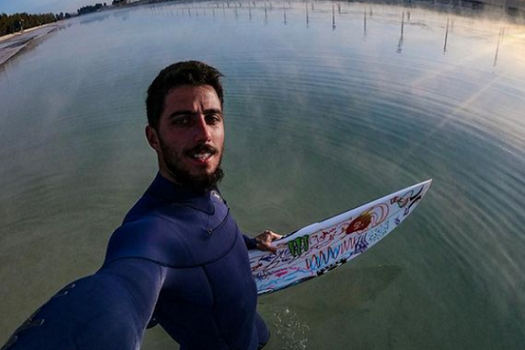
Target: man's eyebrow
{"points": [[212, 111], [179, 113], [188, 112]]}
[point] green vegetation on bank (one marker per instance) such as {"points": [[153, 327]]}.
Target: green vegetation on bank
{"points": [[17, 22], [89, 9]]}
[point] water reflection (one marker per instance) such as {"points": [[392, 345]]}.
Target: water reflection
{"points": [[344, 12], [328, 105]]}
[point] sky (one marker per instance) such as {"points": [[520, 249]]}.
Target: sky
{"points": [[45, 6]]}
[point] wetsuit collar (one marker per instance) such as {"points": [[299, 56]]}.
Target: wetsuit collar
{"points": [[174, 193]]}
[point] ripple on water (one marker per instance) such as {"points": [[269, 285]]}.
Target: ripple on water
{"points": [[320, 119]]}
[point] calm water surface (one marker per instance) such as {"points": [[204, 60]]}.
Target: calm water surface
{"points": [[328, 105]]}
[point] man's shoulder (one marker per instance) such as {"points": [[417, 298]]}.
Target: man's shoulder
{"points": [[150, 237], [152, 222], [143, 210]]}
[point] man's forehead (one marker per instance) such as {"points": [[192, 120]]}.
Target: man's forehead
{"points": [[189, 94], [190, 99]]}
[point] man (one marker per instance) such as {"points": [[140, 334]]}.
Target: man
{"points": [[178, 259]]}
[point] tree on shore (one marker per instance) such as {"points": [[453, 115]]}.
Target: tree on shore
{"points": [[90, 9], [18, 22]]}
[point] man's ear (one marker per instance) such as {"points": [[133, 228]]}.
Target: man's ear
{"points": [[153, 138]]}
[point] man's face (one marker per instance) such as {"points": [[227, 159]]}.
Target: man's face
{"points": [[190, 136]]}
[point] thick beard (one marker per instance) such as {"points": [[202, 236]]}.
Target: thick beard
{"points": [[200, 183]]}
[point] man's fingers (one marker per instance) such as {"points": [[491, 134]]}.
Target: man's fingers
{"points": [[265, 240], [272, 236]]}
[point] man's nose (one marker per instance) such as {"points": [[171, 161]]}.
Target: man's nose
{"points": [[202, 130]]}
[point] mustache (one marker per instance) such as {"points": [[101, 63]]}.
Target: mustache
{"points": [[202, 148]]}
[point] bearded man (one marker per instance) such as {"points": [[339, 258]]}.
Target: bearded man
{"points": [[179, 259]]}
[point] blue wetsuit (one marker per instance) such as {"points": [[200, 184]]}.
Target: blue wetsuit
{"points": [[179, 260]]}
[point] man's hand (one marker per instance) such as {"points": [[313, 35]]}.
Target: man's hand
{"points": [[265, 239]]}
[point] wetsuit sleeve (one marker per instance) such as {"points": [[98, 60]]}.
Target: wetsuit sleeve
{"points": [[251, 243], [105, 311]]}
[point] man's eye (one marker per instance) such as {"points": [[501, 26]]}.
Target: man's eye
{"points": [[181, 120], [213, 118]]}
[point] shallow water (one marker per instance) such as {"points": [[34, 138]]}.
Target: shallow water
{"points": [[328, 106]]}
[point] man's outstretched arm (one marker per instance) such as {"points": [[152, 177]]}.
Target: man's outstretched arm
{"points": [[105, 311]]}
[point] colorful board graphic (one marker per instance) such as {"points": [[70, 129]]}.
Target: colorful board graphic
{"points": [[323, 246]]}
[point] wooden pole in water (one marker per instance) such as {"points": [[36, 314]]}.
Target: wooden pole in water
{"points": [[446, 37], [400, 44], [307, 18], [333, 17], [364, 22], [402, 24], [500, 37]]}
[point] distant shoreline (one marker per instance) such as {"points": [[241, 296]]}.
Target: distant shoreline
{"points": [[12, 44], [9, 36]]}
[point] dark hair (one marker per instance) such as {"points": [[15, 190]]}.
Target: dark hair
{"points": [[193, 73]]}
